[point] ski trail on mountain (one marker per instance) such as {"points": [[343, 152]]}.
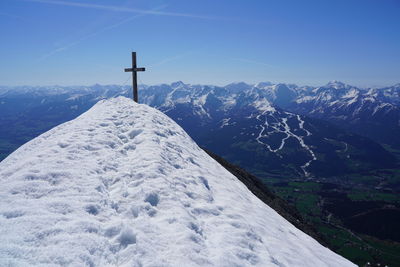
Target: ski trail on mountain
{"points": [[301, 124], [288, 132], [260, 134], [303, 144]]}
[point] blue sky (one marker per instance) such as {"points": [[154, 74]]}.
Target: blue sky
{"points": [[83, 42]]}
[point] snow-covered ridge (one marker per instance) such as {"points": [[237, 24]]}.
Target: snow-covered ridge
{"points": [[335, 95], [124, 185]]}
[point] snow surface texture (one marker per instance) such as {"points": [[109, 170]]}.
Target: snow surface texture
{"points": [[124, 185]]}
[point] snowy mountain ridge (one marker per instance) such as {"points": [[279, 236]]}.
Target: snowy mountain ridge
{"points": [[360, 110], [334, 95], [124, 185], [279, 117], [334, 99]]}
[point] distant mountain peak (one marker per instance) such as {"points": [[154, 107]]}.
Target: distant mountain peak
{"points": [[263, 84], [337, 84], [238, 84], [177, 84], [237, 87]]}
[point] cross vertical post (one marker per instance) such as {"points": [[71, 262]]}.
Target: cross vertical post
{"points": [[134, 71], [134, 78]]}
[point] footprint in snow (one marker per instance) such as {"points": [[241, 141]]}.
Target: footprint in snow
{"points": [[135, 133]]}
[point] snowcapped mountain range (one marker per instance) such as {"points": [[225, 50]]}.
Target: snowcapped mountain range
{"points": [[374, 113], [279, 117], [299, 130], [336, 101], [124, 185]]}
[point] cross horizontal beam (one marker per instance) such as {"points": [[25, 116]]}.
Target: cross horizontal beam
{"points": [[134, 69]]}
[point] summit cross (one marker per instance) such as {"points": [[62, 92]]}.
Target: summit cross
{"points": [[134, 71]]}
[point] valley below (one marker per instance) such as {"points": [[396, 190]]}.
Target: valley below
{"points": [[358, 221]]}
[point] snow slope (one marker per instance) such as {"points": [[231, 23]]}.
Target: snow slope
{"points": [[124, 185]]}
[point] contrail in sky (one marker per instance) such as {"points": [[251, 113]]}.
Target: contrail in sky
{"points": [[95, 33], [137, 11], [124, 9]]}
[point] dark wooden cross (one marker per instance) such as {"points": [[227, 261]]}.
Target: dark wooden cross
{"points": [[134, 71]]}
